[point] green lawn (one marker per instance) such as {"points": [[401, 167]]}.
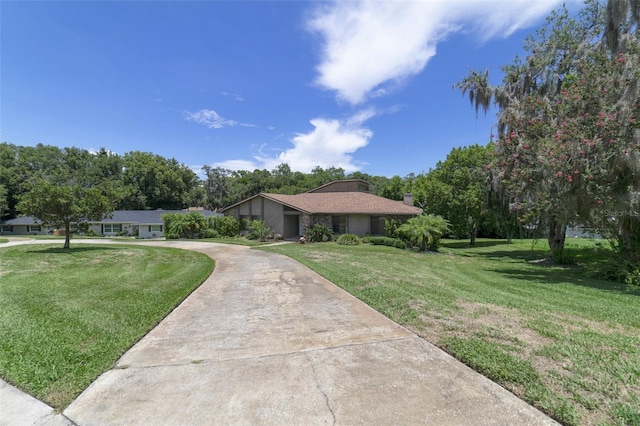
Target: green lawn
{"points": [[3, 240], [566, 343], [66, 316]]}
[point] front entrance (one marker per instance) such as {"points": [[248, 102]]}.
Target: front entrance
{"points": [[291, 226]]}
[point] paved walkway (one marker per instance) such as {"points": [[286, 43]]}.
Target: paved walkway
{"points": [[267, 341]]}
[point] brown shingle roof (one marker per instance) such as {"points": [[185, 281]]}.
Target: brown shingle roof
{"points": [[344, 203]]}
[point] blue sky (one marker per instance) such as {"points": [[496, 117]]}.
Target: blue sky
{"points": [[251, 84]]}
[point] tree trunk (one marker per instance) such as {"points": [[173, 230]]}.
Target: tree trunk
{"points": [[474, 234], [555, 237], [67, 234], [629, 238]]}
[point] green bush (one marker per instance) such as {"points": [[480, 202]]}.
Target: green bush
{"points": [[225, 226], [376, 241], [615, 269], [170, 236], [348, 240], [398, 243], [258, 230], [184, 225], [319, 233], [391, 227], [210, 233], [424, 231], [386, 241]]}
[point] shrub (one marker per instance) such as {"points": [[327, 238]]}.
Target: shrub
{"points": [[398, 243], [615, 269], [170, 236], [319, 233], [90, 233], [225, 226], [210, 233], [424, 231], [258, 230], [391, 227], [184, 225], [376, 241], [386, 241], [348, 240]]}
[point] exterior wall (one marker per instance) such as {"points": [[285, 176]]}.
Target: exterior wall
{"points": [[250, 209], [317, 219], [273, 215], [144, 231], [292, 225], [358, 224], [26, 230], [259, 208], [95, 227]]}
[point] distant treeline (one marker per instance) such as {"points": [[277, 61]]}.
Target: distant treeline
{"points": [[456, 189]]}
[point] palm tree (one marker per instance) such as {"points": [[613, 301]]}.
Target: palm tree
{"points": [[425, 231]]}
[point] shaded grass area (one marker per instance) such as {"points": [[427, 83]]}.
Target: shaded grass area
{"points": [[66, 316], [566, 343], [3, 240]]}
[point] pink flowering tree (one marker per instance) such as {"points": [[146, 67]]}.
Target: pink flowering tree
{"points": [[568, 143]]}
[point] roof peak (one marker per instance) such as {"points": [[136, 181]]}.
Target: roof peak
{"points": [[343, 185]]}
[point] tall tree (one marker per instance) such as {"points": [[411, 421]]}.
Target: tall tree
{"points": [[216, 187], [4, 204], [567, 120], [458, 190], [61, 205], [154, 182]]}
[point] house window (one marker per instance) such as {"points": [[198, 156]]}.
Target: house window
{"points": [[6, 228], [377, 225], [111, 227], [339, 224], [35, 228], [155, 228]]}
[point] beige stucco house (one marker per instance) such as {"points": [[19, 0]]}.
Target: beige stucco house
{"points": [[346, 206]]}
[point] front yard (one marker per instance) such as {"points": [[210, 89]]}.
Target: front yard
{"points": [[66, 316], [566, 343]]}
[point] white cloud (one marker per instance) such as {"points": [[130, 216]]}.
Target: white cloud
{"points": [[235, 96], [329, 144], [212, 119], [371, 45]]}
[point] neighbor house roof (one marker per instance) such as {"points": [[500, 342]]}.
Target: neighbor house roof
{"points": [[23, 220], [340, 203]]}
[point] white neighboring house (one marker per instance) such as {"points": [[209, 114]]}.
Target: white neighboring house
{"points": [[144, 223]]}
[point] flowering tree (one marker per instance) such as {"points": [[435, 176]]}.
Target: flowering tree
{"points": [[568, 130]]}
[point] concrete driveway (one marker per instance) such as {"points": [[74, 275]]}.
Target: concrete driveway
{"points": [[267, 341]]}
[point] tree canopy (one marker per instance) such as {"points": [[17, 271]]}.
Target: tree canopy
{"points": [[568, 140], [61, 205]]}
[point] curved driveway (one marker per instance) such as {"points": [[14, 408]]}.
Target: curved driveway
{"points": [[267, 341]]}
